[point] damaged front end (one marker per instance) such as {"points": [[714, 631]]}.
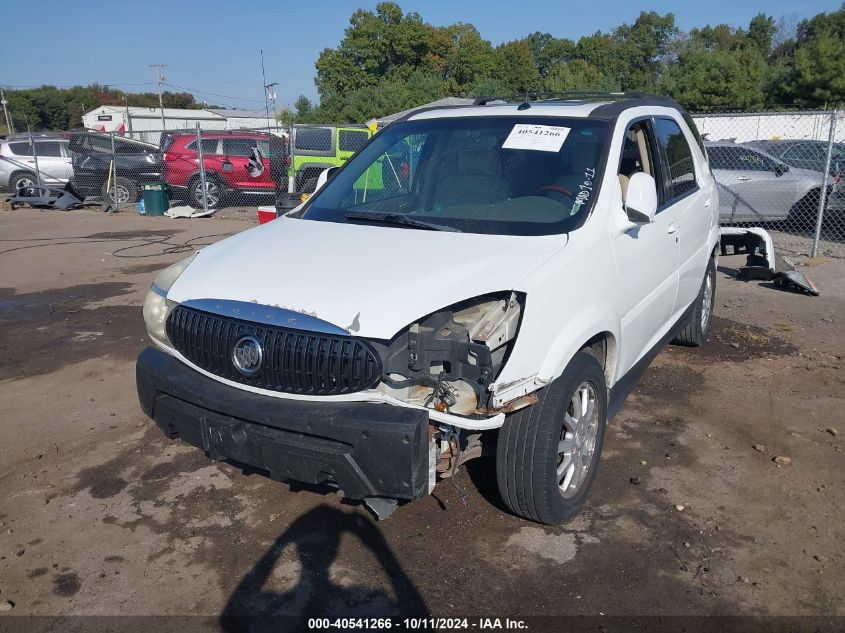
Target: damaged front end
{"points": [[446, 362]]}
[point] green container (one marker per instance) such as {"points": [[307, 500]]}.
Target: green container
{"points": [[156, 201]]}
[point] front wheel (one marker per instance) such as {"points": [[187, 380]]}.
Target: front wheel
{"points": [[548, 454], [23, 180], [213, 193], [694, 331], [126, 190]]}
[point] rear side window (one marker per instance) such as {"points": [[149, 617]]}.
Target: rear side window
{"points": [[678, 156], [209, 146], [351, 140], [804, 152], [48, 148], [740, 158], [20, 149], [239, 146], [314, 139]]}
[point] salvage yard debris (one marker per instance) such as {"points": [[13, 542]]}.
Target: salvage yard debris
{"points": [[762, 262]]}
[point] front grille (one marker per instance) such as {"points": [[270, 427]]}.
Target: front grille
{"points": [[295, 361]]}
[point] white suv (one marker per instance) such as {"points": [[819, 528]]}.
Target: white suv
{"points": [[489, 278]]}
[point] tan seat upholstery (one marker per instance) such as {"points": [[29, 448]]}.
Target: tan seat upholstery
{"points": [[623, 182]]}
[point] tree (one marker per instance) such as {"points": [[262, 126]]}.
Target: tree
{"points": [[640, 48], [704, 80], [515, 68], [376, 45], [761, 30], [460, 57], [574, 76], [303, 106], [549, 51], [817, 75]]}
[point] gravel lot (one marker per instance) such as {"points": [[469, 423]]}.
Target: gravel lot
{"points": [[690, 513]]}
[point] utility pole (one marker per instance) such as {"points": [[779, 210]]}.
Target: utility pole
{"points": [[6, 113], [264, 83], [160, 79], [128, 116], [271, 94]]}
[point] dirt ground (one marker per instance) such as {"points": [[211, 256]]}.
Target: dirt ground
{"points": [[690, 514]]}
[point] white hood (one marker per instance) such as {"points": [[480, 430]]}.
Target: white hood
{"points": [[378, 278]]}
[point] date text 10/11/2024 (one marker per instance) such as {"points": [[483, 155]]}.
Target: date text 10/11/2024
{"points": [[416, 624]]}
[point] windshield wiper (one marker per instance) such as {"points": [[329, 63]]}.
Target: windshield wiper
{"points": [[400, 219]]}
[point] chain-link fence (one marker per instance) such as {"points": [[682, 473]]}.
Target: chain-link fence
{"points": [[206, 169], [783, 171]]}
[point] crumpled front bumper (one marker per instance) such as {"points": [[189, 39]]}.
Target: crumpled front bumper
{"points": [[367, 449]]}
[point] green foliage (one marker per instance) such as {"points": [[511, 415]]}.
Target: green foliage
{"points": [[711, 67], [575, 76], [817, 73], [389, 60]]}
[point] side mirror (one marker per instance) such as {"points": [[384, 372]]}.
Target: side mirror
{"points": [[641, 199], [781, 169], [324, 176]]}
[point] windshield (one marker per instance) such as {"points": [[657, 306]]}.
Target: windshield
{"points": [[495, 175]]}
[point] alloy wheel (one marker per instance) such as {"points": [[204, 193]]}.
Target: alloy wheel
{"points": [[577, 444]]}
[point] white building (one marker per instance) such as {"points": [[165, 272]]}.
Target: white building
{"points": [[145, 124]]}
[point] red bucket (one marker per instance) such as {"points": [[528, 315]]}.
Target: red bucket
{"points": [[265, 214]]}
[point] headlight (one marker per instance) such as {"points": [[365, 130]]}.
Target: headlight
{"points": [[448, 359], [157, 306]]}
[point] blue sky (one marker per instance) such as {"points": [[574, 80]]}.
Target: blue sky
{"points": [[213, 46]]}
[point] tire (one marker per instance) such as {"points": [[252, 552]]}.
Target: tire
{"points": [[527, 454], [127, 191], [694, 331], [22, 180], [215, 192]]}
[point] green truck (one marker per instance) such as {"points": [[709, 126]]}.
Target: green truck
{"points": [[319, 147]]}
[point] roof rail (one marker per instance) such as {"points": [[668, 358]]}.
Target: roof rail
{"points": [[566, 96]]}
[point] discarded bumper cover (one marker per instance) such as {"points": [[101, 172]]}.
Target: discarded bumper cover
{"points": [[43, 197], [366, 449], [762, 261]]}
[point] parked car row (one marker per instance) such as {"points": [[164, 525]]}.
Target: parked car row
{"points": [[769, 181], [758, 180]]}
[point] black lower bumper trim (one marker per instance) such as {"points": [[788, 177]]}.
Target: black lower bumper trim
{"points": [[367, 449]]}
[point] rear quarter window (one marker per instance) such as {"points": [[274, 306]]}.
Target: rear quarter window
{"points": [[20, 149]]}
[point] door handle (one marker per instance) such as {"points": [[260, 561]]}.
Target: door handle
{"points": [[707, 203], [743, 178], [673, 228]]}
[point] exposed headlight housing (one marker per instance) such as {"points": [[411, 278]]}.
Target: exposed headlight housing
{"points": [[157, 306], [447, 360]]}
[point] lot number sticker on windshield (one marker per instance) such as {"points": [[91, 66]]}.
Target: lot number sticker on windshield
{"points": [[542, 138]]}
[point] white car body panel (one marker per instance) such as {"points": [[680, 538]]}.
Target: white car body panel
{"points": [[628, 283], [343, 273]]}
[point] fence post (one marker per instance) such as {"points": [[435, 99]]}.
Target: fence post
{"points": [[291, 170], [201, 158], [115, 198], [823, 193], [35, 158]]}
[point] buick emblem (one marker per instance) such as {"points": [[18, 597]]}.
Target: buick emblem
{"points": [[248, 355]]}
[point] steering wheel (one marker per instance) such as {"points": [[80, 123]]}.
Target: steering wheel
{"points": [[557, 188]]}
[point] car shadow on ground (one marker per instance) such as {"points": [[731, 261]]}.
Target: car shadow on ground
{"points": [[306, 552]]}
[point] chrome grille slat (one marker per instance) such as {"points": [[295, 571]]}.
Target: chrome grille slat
{"points": [[295, 361]]}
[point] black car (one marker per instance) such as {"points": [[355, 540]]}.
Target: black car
{"points": [[806, 154], [135, 163]]}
